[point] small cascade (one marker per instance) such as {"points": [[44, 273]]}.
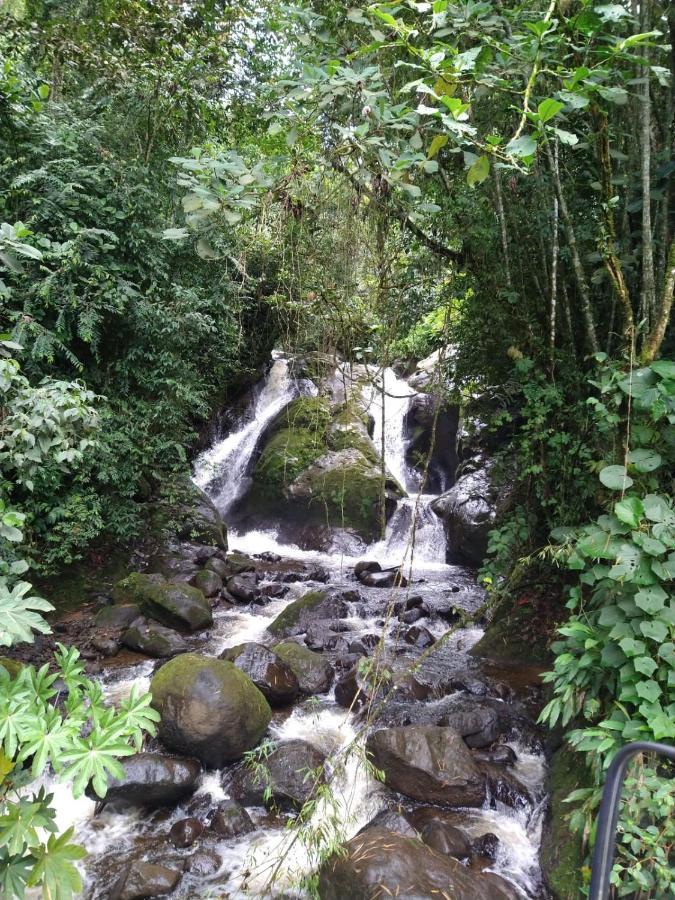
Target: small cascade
{"points": [[389, 418], [221, 470]]}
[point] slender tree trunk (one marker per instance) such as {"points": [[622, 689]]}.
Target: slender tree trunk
{"points": [[502, 225], [648, 276], [554, 269], [655, 338], [584, 290]]}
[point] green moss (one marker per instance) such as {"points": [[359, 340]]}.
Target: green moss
{"points": [[562, 855], [349, 431], [12, 666], [175, 605], [351, 498], [298, 440], [290, 616]]}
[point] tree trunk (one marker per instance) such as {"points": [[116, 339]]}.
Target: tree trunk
{"points": [[655, 338], [648, 276]]}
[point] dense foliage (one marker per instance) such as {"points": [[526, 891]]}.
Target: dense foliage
{"points": [[183, 186]]}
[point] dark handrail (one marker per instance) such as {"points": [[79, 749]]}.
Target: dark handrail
{"points": [[603, 854]]}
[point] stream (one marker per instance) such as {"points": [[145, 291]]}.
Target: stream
{"points": [[223, 471]]}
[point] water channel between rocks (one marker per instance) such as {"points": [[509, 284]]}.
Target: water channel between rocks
{"points": [[223, 472]]}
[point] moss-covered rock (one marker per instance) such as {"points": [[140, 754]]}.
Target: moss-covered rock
{"points": [[11, 666], [120, 615], [174, 605], [200, 520], [349, 431], [314, 673], [562, 854], [208, 582], [209, 709], [296, 439], [509, 637], [153, 640], [298, 614]]}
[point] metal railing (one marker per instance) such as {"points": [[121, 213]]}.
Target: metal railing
{"points": [[603, 854]]}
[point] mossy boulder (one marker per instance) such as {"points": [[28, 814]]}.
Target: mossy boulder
{"points": [[120, 615], [345, 490], [209, 709], [269, 672], [174, 605], [208, 582], [294, 441], [153, 640], [200, 520], [562, 853], [300, 613], [314, 674], [348, 430], [509, 638]]}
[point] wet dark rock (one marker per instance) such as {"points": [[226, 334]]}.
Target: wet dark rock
{"points": [[366, 565], [202, 522], [392, 821], [230, 819], [208, 582], [267, 671], [105, 645], [351, 691], [301, 613], [446, 839], [203, 863], [381, 863], [269, 557], [383, 579], [411, 687], [427, 763], [347, 661], [274, 591], [292, 773], [154, 640], [209, 708], [503, 888], [318, 573], [505, 787], [479, 726], [410, 616], [146, 879], [219, 566], [320, 637], [204, 554], [314, 673], [121, 615], [500, 755], [419, 637], [487, 846], [242, 587], [152, 779], [238, 563], [351, 596], [185, 832], [173, 605], [358, 648]]}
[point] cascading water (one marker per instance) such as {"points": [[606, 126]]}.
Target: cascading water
{"points": [[221, 470], [356, 797]]}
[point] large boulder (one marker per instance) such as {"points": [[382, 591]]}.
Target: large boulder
{"points": [[314, 674], [141, 880], [347, 487], [428, 763], [469, 512], [208, 582], [267, 671], [288, 778], [209, 709], [380, 863], [120, 615], [300, 613], [478, 725], [174, 605], [154, 640], [200, 520], [152, 779]]}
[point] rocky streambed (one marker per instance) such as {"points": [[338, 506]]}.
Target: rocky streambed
{"points": [[325, 725]]}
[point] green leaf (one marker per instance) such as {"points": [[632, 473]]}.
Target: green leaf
{"points": [[656, 630], [14, 874], [657, 509], [644, 460], [649, 690], [615, 478], [631, 647], [629, 510], [522, 147], [19, 614], [478, 172], [43, 91], [665, 368], [566, 137], [54, 868], [437, 145], [645, 665], [549, 109], [651, 599]]}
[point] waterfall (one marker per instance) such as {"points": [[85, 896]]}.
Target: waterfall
{"points": [[221, 470], [430, 542]]}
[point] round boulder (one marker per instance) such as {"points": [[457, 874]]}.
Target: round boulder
{"points": [[288, 777], [314, 674], [209, 708], [152, 779]]}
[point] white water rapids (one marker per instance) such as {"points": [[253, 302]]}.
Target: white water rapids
{"points": [[356, 797]]}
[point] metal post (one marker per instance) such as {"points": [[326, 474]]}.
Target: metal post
{"points": [[603, 853]]}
